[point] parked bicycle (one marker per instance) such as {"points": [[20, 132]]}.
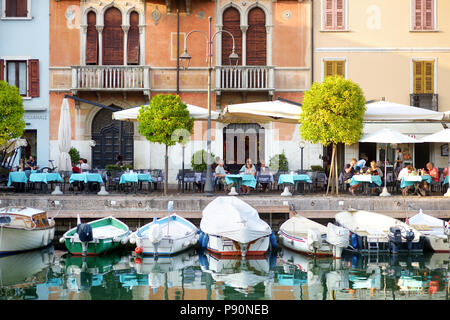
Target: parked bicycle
{"points": [[49, 169]]}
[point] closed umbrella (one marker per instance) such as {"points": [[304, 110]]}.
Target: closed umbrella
{"points": [[440, 137], [387, 136], [64, 137]]}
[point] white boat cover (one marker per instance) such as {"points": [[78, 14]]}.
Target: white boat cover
{"points": [[233, 218], [435, 225]]}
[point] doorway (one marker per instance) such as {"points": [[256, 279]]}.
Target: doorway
{"points": [[370, 150], [421, 154]]}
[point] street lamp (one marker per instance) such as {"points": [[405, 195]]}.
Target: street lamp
{"points": [[186, 58], [302, 145]]}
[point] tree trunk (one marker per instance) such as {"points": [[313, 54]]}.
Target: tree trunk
{"points": [[336, 176], [331, 174], [166, 170]]}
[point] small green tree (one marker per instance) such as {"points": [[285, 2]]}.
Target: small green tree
{"points": [[199, 158], [11, 113], [158, 121], [332, 113], [279, 162], [74, 156]]}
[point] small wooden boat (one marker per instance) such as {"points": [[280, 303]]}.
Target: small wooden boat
{"points": [[436, 231], [230, 227], [165, 236], [23, 229], [96, 237], [372, 232]]}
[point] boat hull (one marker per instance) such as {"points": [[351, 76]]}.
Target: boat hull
{"points": [[226, 247], [93, 248], [437, 244], [300, 244], [13, 240], [167, 245]]}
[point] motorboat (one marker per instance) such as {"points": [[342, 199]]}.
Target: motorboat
{"points": [[23, 229], [165, 236], [230, 227], [309, 237], [436, 231], [96, 237], [372, 232]]}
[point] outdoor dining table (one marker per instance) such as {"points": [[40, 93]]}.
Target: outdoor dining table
{"points": [[366, 179], [86, 177], [446, 180], [17, 177], [241, 179], [414, 181], [293, 179], [135, 178], [44, 177]]}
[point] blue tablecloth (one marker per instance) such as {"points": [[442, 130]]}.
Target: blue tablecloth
{"points": [[291, 178], [446, 180], [134, 177], [241, 179], [45, 177], [411, 180], [360, 178], [86, 177], [17, 177]]}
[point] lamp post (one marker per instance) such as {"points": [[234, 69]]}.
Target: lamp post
{"points": [[301, 144], [186, 57]]}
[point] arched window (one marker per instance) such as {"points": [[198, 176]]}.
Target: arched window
{"points": [[231, 23], [133, 39], [256, 38], [113, 51], [91, 39]]}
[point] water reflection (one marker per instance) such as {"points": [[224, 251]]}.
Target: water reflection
{"points": [[46, 274]]}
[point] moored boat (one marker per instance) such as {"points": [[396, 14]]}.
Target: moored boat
{"points": [[96, 237], [165, 236], [231, 227], [436, 231], [23, 229], [372, 232]]}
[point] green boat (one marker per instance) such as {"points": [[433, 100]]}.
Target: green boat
{"points": [[107, 234]]}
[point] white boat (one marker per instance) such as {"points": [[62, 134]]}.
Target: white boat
{"points": [[372, 232], [25, 269], [230, 227], [307, 236], [436, 231], [165, 236], [23, 229]]}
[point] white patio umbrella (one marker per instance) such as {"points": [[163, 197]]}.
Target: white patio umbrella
{"points": [[440, 137], [64, 140], [387, 136], [391, 111], [198, 113]]}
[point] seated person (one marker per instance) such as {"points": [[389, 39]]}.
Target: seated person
{"points": [[83, 165], [221, 173], [374, 171], [348, 173], [263, 169], [362, 162], [432, 171], [31, 164], [248, 168], [406, 171]]}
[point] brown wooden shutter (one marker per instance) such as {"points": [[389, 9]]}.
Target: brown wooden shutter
{"points": [[231, 23], [329, 14], [112, 38], [33, 78], [22, 10], [340, 68], [418, 15], [428, 14], [91, 39], [418, 77], [428, 85], [328, 68], [133, 39], [10, 9], [256, 38], [2, 69]]}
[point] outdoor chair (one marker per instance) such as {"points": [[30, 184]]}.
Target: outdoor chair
{"points": [[157, 177], [114, 179]]}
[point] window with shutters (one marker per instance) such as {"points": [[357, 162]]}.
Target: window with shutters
{"points": [[16, 9], [256, 38], [423, 73], [91, 39], [112, 38], [334, 14], [231, 23], [133, 39], [423, 15], [334, 67], [24, 74]]}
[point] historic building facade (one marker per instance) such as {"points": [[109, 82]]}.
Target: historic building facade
{"points": [[24, 42], [121, 53], [396, 50]]}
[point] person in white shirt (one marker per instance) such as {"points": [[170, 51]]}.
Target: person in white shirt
{"points": [[406, 171], [362, 162], [84, 165]]}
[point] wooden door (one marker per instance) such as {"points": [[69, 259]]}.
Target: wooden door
{"points": [[133, 39], [113, 38], [231, 23], [91, 39], [256, 38]]}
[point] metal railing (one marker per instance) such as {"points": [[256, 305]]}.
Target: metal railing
{"points": [[251, 78]]}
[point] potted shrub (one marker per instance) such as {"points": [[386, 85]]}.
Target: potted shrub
{"points": [[279, 162], [198, 160]]}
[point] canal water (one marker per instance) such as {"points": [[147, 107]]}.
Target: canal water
{"points": [[50, 274]]}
